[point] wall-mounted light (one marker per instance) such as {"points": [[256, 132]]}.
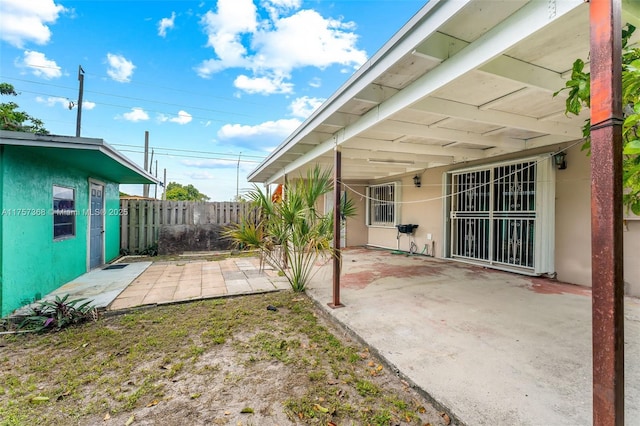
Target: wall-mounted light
{"points": [[416, 181], [560, 160]]}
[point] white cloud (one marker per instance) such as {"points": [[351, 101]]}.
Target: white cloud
{"points": [[64, 102], [211, 164], [308, 39], [276, 7], [303, 107], [166, 24], [27, 21], [315, 82], [53, 101], [279, 128], [205, 175], [182, 118], [263, 85], [271, 48], [136, 114], [39, 65], [120, 68], [224, 34]]}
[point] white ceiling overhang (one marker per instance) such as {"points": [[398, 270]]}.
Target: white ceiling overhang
{"points": [[462, 80]]}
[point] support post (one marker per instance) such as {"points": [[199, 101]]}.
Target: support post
{"points": [[337, 254], [606, 213]]}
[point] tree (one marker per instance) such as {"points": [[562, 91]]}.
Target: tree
{"points": [[13, 119], [178, 192], [290, 232], [580, 95]]}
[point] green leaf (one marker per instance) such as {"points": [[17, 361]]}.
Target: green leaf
{"points": [[632, 147]]}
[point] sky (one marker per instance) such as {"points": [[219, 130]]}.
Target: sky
{"points": [[217, 84]]}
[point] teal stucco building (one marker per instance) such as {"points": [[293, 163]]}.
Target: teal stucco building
{"points": [[59, 199]]}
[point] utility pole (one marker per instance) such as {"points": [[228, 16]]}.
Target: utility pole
{"points": [[80, 93], [238, 179], [156, 175], [164, 189], [145, 187]]}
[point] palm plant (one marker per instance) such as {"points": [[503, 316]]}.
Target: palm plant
{"points": [[291, 234]]}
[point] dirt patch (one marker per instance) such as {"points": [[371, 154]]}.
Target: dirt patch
{"points": [[226, 361]]}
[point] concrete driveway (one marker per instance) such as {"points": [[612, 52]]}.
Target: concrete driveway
{"points": [[492, 347]]}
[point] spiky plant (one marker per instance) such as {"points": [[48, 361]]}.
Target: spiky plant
{"points": [[291, 234]]}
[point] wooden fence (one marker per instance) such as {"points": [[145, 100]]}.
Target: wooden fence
{"points": [[141, 219]]}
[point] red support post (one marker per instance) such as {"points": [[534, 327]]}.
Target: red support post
{"points": [[337, 255], [606, 213]]}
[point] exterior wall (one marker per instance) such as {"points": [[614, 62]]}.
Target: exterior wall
{"points": [[572, 219], [356, 229], [427, 214], [631, 264], [111, 221], [33, 264]]}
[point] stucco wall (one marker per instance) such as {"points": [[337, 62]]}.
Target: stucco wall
{"points": [[356, 234], [33, 264], [573, 219], [421, 206], [424, 206]]}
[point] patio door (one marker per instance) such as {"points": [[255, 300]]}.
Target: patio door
{"points": [[96, 226], [502, 215]]}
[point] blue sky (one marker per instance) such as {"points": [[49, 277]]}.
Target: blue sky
{"points": [[212, 81]]}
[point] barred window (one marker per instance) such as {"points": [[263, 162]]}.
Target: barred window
{"points": [[381, 206]]}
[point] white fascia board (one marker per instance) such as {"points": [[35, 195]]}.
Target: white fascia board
{"points": [[424, 23], [117, 156], [522, 24]]}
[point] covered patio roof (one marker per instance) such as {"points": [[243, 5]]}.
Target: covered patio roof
{"points": [[461, 81], [90, 154]]}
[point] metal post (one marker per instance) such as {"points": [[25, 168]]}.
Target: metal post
{"points": [[606, 213], [337, 254]]}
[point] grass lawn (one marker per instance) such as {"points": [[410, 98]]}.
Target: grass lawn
{"points": [[224, 361]]}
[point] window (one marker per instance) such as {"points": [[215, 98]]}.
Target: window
{"points": [[64, 212], [381, 205]]}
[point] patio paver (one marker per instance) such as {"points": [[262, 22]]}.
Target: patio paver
{"points": [[166, 282]]}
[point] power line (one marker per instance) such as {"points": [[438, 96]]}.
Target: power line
{"points": [[127, 107], [230, 160], [149, 100], [192, 151]]}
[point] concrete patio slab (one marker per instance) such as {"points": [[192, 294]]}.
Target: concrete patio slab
{"points": [[101, 286], [494, 348]]}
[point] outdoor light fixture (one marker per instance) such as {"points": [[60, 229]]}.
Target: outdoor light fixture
{"points": [[560, 160], [416, 181]]}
